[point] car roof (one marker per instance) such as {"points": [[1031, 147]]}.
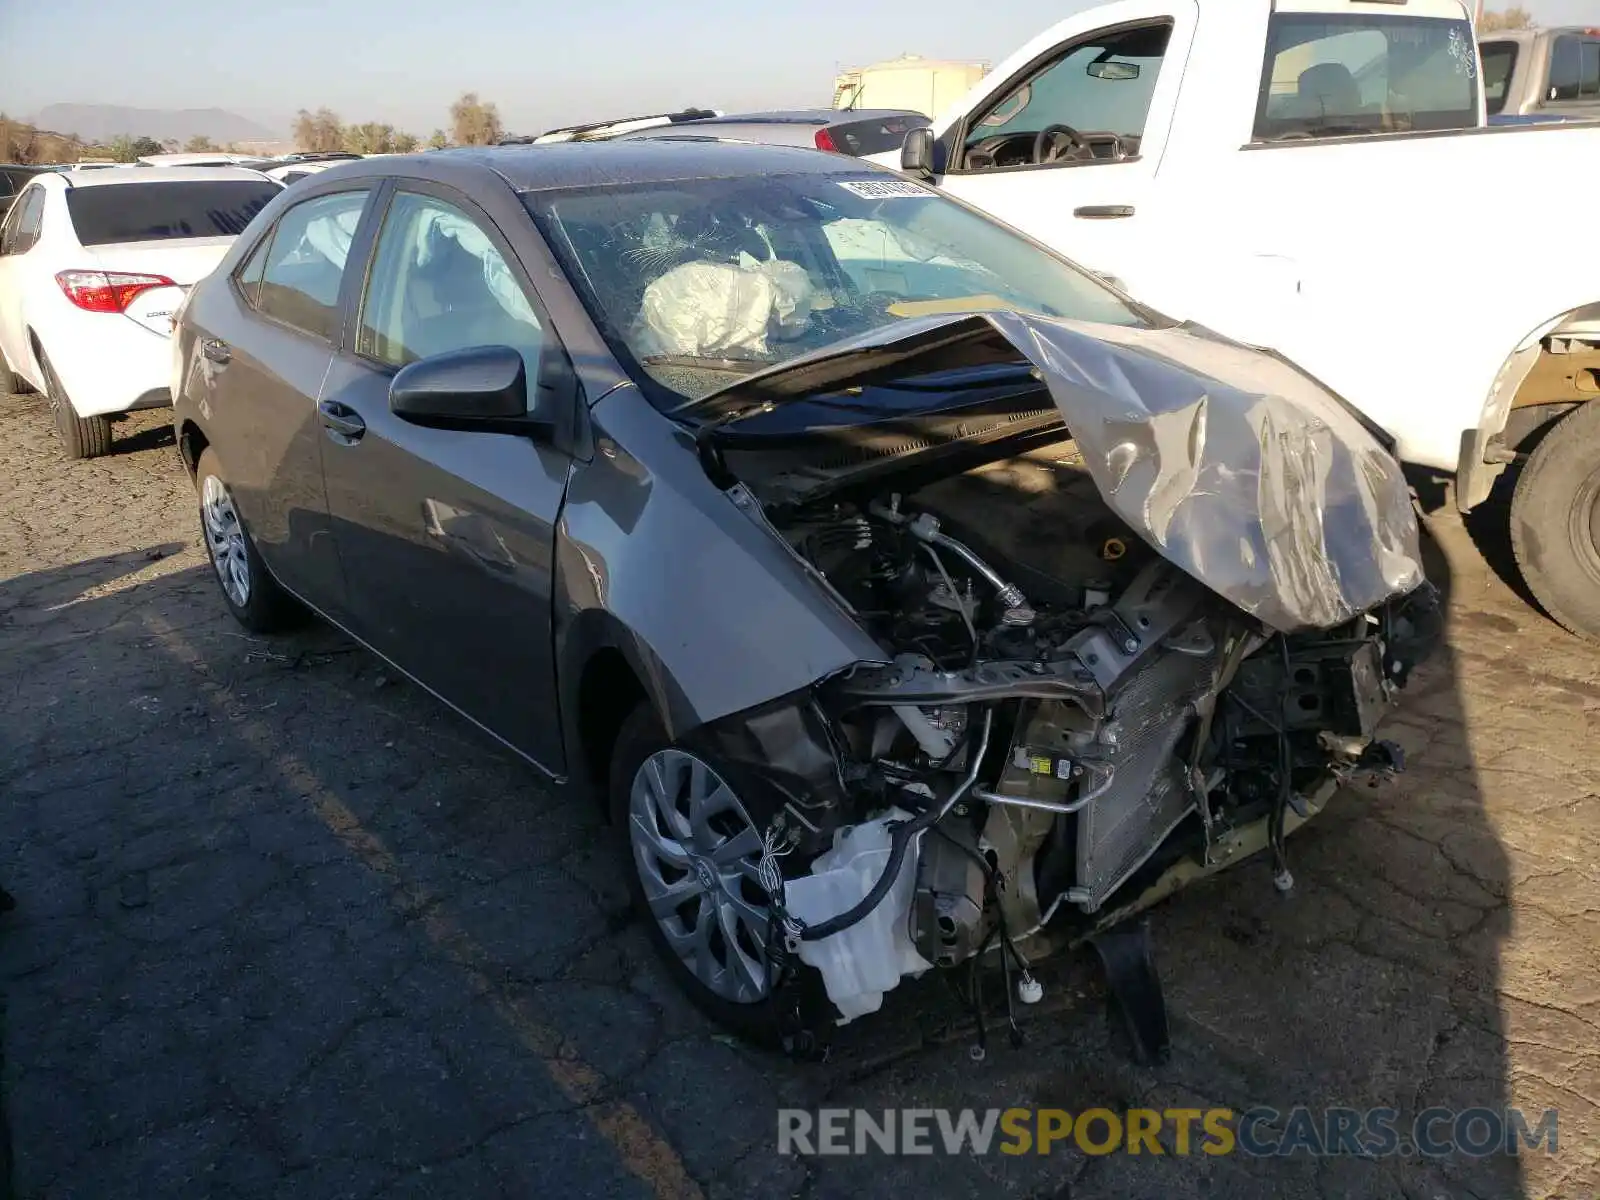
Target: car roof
{"points": [[155, 175], [592, 164]]}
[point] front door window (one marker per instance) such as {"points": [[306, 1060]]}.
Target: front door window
{"points": [[1087, 106]]}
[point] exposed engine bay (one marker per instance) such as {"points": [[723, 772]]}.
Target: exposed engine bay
{"points": [[1061, 716]]}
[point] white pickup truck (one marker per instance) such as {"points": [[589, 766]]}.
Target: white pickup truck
{"points": [[1309, 176]]}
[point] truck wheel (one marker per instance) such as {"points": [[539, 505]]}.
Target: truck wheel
{"points": [[1555, 522], [689, 851], [81, 437]]}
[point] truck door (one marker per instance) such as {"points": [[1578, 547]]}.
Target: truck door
{"points": [[1065, 146]]}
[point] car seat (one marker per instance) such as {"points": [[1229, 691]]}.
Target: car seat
{"points": [[1329, 90]]}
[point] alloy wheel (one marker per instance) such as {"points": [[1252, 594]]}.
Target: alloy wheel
{"points": [[698, 856], [225, 537]]}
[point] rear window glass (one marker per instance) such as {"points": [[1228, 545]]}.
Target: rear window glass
{"points": [[874, 137], [1499, 61], [1566, 69], [152, 212]]}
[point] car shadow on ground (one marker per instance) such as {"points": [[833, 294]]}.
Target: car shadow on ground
{"points": [[287, 922], [130, 439]]}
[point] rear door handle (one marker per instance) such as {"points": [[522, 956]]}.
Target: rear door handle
{"points": [[343, 423], [1103, 212], [215, 349]]}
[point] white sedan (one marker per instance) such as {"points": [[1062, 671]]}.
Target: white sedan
{"points": [[92, 267]]}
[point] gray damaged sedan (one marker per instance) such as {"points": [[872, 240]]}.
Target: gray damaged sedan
{"points": [[909, 599]]}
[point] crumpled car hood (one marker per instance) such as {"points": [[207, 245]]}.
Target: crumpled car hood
{"points": [[1234, 465]]}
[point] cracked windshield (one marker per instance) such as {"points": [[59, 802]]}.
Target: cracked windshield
{"points": [[702, 281]]}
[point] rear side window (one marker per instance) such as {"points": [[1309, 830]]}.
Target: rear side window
{"points": [[1566, 69], [1589, 89], [304, 263], [249, 275], [1343, 75], [153, 212], [874, 137], [8, 227], [22, 222], [1499, 63]]}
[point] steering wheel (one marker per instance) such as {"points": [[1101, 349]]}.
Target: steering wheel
{"points": [[1047, 135]]}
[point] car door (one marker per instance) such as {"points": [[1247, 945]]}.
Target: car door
{"points": [[18, 234], [446, 536], [1079, 192], [266, 345]]}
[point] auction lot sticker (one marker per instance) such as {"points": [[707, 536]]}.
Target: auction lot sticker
{"points": [[884, 189]]}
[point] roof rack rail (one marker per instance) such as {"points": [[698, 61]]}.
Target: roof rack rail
{"points": [[596, 130]]}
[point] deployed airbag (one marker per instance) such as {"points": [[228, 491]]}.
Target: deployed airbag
{"points": [[723, 310]]}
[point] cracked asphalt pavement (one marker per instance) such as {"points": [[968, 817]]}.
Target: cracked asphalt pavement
{"points": [[287, 927]]}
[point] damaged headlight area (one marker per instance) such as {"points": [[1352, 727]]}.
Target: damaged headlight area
{"points": [[1055, 727]]}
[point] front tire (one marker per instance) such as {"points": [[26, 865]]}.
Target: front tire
{"points": [[690, 853], [81, 437], [1555, 522], [248, 589]]}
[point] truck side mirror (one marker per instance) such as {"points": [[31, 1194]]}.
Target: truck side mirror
{"points": [[916, 153]]}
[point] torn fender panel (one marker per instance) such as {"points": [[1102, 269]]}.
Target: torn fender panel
{"points": [[715, 613], [1233, 464]]}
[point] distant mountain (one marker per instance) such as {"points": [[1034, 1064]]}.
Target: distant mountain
{"points": [[102, 122]]}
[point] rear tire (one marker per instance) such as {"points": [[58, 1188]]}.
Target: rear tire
{"points": [[81, 437], [1555, 522], [715, 975], [248, 588]]}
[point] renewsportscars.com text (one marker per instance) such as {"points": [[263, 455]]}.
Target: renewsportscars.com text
{"points": [[1257, 1132]]}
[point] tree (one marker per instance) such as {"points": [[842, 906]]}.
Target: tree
{"points": [[474, 122], [199, 144], [121, 148], [1515, 17], [368, 138], [319, 131], [374, 137], [438, 141]]}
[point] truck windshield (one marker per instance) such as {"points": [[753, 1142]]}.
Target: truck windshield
{"points": [[699, 281], [1342, 75]]}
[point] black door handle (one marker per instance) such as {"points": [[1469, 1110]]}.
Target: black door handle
{"points": [[343, 423], [1103, 212], [215, 349]]}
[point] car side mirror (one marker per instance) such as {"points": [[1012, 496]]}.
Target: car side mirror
{"points": [[483, 389], [916, 153]]}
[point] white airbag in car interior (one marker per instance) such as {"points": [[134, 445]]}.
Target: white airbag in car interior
{"points": [[723, 310], [496, 275], [331, 235]]}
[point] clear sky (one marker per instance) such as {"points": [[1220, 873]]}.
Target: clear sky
{"points": [[543, 63]]}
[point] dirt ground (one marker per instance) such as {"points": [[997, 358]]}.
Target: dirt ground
{"points": [[288, 928]]}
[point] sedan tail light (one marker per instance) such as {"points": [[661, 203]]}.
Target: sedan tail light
{"points": [[107, 291], [825, 141]]}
